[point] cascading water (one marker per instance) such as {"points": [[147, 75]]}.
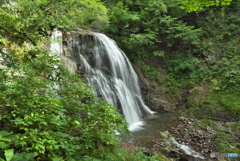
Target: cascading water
{"points": [[109, 71], [114, 79], [56, 47], [106, 67]]}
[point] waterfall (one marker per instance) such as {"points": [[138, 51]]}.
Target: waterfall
{"points": [[114, 79], [105, 67], [56, 47]]}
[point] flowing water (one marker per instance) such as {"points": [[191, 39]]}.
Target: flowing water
{"points": [[156, 123], [109, 71], [56, 46], [150, 133], [114, 79]]}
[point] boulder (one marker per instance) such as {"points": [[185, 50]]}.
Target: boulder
{"points": [[157, 103]]}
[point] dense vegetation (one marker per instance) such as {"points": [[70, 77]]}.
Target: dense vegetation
{"points": [[196, 49], [193, 55], [46, 113]]}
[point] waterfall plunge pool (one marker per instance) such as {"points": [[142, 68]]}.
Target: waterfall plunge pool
{"points": [[150, 130], [151, 127]]}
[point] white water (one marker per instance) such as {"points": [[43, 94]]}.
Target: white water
{"points": [[56, 47], [189, 151], [112, 75], [114, 80]]}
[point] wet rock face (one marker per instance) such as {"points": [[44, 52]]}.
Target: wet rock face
{"points": [[82, 41], [158, 104], [200, 138], [71, 49]]}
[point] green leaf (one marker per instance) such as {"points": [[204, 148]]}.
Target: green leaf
{"points": [[9, 154], [4, 139], [158, 53], [3, 145], [4, 133], [57, 159], [23, 156], [6, 136]]}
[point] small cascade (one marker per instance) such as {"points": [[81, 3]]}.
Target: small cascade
{"points": [[110, 72], [56, 47], [189, 153]]}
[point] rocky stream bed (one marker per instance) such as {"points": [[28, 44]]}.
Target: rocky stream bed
{"points": [[191, 134]]}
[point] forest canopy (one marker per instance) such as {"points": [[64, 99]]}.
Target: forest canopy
{"points": [[24, 20], [194, 5]]}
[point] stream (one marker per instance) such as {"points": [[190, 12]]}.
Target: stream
{"points": [[151, 129], [153, 125]]}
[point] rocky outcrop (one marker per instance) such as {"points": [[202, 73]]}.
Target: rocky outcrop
{"points": [[157, 103], [71, 49], [153, 95], [70, 58]]}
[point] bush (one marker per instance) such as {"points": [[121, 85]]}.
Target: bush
{"points": [[53, 115]]}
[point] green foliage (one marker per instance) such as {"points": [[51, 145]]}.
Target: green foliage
{"points": [[157, 27], [143, 25], [187, 34], [228, 102], [151, 72], [212, 58], [227, 75], [169, 140], [184, 72], [182, 63], [195, 5], [6, 139], [53, 114], [24, 20], [220, 23], [125, 24], [227, 140], [214, 105], [10, 156], [226, 135], [196, 48], [222, 43], [173, 85], [126, 156], [206, 122]]}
